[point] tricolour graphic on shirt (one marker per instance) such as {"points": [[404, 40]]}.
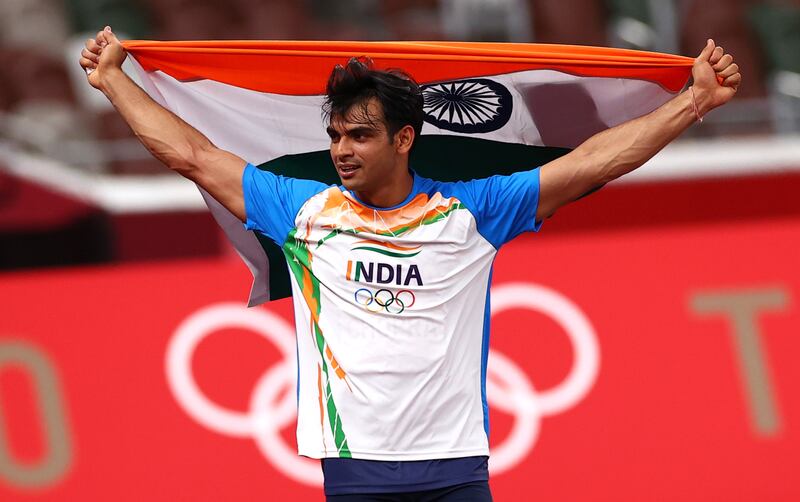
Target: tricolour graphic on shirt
{"points": [[300, 263], [386, 248]]}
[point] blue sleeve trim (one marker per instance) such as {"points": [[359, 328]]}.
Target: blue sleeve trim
{"points": [[503, 206], [272, 201], [537, 224]]}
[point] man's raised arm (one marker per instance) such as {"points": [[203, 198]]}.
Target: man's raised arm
{"points": [[178, 145], [610, 154]]}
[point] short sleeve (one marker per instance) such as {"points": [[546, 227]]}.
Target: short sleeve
{"points": [[272, 201], [505, 206]]}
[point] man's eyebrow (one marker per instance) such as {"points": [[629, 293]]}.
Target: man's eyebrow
{"points": [[360, 129]]}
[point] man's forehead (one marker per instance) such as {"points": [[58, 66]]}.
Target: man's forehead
{"points": [[367, 113]]}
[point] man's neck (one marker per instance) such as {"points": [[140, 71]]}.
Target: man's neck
{"points": [[391, 193]]}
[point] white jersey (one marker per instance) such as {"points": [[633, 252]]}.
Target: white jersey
{"points": [[391, 309]]}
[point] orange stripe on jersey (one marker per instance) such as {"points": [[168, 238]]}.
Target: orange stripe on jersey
{"points": [[342, 212], [334, 364]]}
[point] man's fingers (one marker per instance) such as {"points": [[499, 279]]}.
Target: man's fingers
{"points": [[87, 64], [733, 81], [706, 52], [101, 39], [716, 55], [86, 53], [728, 71], [93, 46], [723, 63]]}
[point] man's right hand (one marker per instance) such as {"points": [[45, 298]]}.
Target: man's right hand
{"points": [[102, 53]]}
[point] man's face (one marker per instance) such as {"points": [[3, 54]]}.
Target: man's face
{"points": [[364, 155]]}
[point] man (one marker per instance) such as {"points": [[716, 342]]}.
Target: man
{"points": [[391, 270]]}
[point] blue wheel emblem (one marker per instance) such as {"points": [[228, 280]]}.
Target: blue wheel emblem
{"points": [[475, 105]]}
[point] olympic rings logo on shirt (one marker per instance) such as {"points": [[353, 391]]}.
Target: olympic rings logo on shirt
{"points": [[273, 405], [385, 299]]}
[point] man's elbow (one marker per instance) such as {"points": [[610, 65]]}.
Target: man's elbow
{"points": [[188, 160], [180, 159], [545, 211]]}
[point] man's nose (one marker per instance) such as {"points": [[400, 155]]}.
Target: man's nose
{"points": [[343, 148]]}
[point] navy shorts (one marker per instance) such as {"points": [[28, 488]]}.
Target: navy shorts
{"points": [[476, 491]]}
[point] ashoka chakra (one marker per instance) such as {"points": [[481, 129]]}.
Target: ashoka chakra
{"points": [[468, 106]]}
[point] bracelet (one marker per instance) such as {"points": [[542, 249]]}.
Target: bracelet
{"points": [[694, 105]]}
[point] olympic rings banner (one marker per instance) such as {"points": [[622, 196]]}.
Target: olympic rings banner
{"points": [[655, 364]]}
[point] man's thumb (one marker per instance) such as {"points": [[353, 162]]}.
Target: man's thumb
{"points": [[705, 54], [109, 35]]}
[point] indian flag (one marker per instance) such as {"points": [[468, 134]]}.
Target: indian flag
{"points": [[490, 108]]}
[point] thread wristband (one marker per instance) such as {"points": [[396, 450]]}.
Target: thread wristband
{"points": [[694, 105]]}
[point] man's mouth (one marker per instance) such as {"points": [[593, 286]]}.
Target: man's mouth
{"points": [[347, 170]]}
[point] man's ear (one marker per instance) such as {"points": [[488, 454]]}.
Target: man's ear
{"points": [[404, 138]]}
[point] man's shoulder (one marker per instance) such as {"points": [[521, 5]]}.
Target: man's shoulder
{"points": [[491, 182], [279, 181], [430, 186]]}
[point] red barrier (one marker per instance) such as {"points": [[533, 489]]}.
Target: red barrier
{"points": [[627, 365]]}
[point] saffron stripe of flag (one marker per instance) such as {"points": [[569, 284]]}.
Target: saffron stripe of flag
{"points": [[490, 108]]}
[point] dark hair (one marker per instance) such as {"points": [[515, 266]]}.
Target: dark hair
{"points": [[353, 85]]}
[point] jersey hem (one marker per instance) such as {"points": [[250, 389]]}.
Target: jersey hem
{"points": [[405, 488]]}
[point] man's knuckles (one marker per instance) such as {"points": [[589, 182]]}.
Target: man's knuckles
{"points": [[723, 62], [729, 70]]}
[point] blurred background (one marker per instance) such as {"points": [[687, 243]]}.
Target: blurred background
{"points": [[51, 121], [688, 268]]}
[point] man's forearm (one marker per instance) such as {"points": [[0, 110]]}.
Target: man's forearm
{"points": [[165, 135], [621, 149], [612, 153]]}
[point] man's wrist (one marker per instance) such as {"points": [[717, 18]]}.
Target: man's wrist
{"points": [[701, 100], [108, 76]]}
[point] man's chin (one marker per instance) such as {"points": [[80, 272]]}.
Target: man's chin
{"points": [[350, 184]]}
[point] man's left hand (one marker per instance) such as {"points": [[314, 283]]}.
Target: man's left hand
{"points": [[716, 78]]}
